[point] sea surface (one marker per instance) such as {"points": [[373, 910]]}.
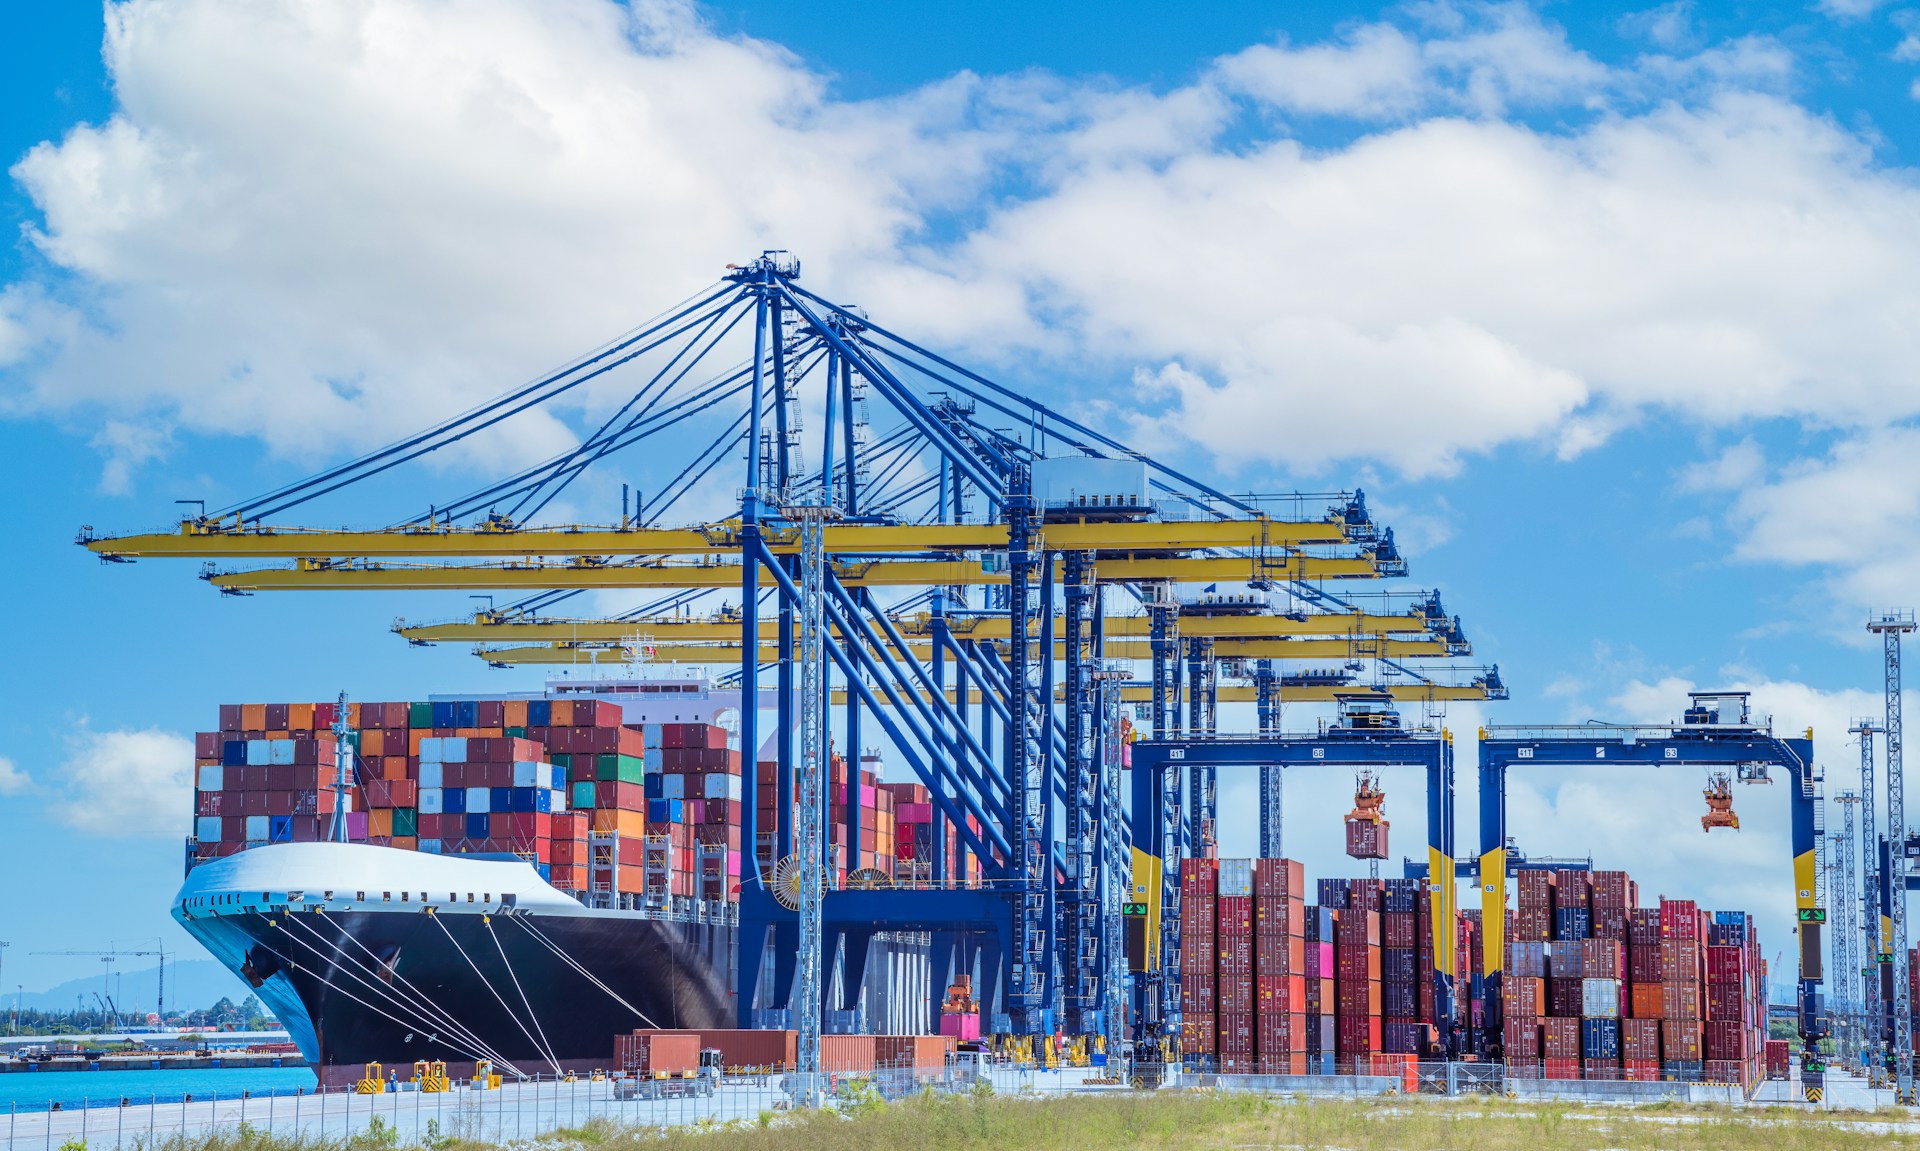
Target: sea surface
{"points": [[34, 1090]]}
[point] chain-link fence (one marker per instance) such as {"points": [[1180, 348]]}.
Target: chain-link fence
{"points": [[525, 1109]]}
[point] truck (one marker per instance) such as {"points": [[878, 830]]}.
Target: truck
{"points": [[696, 1082]]}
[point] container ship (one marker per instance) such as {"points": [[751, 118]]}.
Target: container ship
{"points": [[512, 880]]}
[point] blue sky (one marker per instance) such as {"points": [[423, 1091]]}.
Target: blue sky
{"points": [[1612, 316]]}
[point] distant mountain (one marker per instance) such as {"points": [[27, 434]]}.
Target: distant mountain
{"points": [[191, 985]]}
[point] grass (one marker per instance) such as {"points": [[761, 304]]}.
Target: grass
{"points": [[1175, 1121]]}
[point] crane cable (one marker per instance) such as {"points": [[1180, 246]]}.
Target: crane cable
{"points": [[546, 1047], [390, 1015], [434, 1013], [491, 990], [576, 965]]}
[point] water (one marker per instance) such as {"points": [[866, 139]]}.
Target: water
{"points": [[32, 1090]]}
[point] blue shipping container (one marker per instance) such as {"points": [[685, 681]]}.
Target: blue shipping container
{"points": [[444, 715], [477, 826], [1572, 923], [1600, 1038], [467, 712], [453, 801], [233, 753], [539, 713], [1399, 998]]}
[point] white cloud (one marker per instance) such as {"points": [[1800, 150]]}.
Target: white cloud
{"points": [[1850, 9], [1854, 513], [1733, 469], [126, 783], [1668, 26], [13, 780], [311, 216]]}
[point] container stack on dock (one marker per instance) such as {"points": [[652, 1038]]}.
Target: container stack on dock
{"points": [[1622, 992], [1593, 986], [1244, 964]]}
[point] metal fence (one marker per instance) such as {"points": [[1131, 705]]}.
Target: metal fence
{"points": [[523, 1110]]}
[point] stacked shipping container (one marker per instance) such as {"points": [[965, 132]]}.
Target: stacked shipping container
{"points": [[1593, 987], [594, 803]]}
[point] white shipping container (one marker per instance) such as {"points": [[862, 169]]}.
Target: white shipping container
{"points": [[280, 751], [718, 785], [430, 750], [526, 775], [256, 828], [1236, 877], [209, 778], [430, 800], [1600, 998], [453, 749], [559, 800], [208, 828], [477, 798], [256, 753]]}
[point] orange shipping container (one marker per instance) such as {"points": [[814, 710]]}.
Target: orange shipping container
{"points": [[300, 716], [380, 821], [561, 713], [253, 717], [516, 713], [628, 823], [843, 1054], [406, 842], [920, 1052]]}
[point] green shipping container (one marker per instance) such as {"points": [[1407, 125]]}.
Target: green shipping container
{"points": [[406, 821], [623, 768], [420, 715], [563, 758], [583, 795], [516, 733]]}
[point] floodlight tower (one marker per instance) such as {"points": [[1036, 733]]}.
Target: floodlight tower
{"points": [[1891, 625]]}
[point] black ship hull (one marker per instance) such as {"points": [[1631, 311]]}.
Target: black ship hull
{"points": [[536, 987]]}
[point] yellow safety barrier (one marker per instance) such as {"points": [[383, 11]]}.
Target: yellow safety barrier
{"points": [[372, 1082], [431, 1077]]}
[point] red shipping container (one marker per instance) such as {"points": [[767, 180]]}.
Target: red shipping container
{"points": [[1196, 1034], [1680, 1041], [1279, 915], [1521, 1038], [1641, 1071], [1561, 1038], [1726, 1041], [1640, 1039], [1279, 955], [1279, 877], [1560, 1069], [1681, 1001]]}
